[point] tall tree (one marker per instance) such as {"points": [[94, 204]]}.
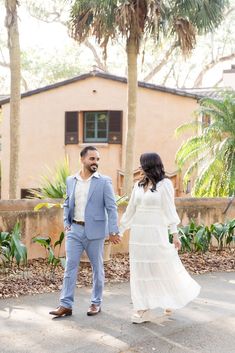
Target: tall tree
{"points": [[11, 23], [135, 20], [210, 155]]}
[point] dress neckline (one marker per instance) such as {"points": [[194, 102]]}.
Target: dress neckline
{"points": [[157, 185]]}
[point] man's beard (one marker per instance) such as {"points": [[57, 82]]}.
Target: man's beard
{"points": [[90, 168]]}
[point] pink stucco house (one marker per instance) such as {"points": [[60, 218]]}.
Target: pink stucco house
{"points": [[60, 119]]}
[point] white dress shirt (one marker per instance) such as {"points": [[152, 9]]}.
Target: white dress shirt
{"points": [[81, 194]]}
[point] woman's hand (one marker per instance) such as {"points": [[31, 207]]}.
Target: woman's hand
{"points": [[176, 241], [115, 238]]}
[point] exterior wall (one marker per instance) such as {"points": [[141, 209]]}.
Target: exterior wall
{"points": [[228, 78], [159, 114], [43, 120], [49, 222]]}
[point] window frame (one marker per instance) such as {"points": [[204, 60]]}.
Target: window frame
{"points": [[95, 139]]}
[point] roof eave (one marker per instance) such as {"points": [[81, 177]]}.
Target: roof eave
{"points": [[107, 77]]}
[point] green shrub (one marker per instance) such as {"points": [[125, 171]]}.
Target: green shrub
{"points": [[11, 247], [46, 242], [199, 237]]}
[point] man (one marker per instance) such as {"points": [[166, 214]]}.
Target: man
{"points": [[90, 213]]}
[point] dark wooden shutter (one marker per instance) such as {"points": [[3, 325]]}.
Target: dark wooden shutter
{"points": [[71, 128], [115, 127]]}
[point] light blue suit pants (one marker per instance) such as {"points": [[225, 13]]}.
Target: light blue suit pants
{"points": [[76, 243]]}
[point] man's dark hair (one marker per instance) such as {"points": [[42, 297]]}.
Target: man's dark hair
{"points": [[86, 149]]}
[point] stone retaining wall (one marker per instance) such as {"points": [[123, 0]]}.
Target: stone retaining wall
{"points": [[50, 221]]}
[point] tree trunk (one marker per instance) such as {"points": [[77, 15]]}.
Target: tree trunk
{"points": [[11, 23], [132, 54]]}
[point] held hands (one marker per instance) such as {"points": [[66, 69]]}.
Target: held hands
{"points": [[114, 239], [176, 241]]}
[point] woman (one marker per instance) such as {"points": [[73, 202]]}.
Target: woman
{"points": [[157, 276]]}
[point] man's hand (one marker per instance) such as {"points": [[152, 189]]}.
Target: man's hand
{"points": [[67, 228], [115, 239], [176, 241]]}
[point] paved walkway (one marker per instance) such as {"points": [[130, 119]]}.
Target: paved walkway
{"points": [[205, 326]]}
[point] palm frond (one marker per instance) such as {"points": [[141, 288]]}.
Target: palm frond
{"points": [[189, 150], [205, 15], [207, 178], [191, 170], [191, 126], [108, 19], [212, 153]]}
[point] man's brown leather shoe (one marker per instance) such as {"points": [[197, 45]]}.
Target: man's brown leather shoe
{"points": [[61, 311], [94, 310]]}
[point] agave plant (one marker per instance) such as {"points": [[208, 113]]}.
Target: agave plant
{"points": [[53, 185], [210, 155]]}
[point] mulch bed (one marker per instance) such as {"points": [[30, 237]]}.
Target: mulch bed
{"points": [[37, 278]]}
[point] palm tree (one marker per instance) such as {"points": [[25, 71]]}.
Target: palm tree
{"points": [[11, 23], [210, 155], [135, 20]]}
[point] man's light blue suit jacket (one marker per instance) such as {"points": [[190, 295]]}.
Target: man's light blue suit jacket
{"points": [[101, 211]]}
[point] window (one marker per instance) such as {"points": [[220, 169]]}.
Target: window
{"points": [[71, 128], [96, 127], [103, 127]]}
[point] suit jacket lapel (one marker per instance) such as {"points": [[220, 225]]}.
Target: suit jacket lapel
{"points": [[94, 182], [73, 190]]}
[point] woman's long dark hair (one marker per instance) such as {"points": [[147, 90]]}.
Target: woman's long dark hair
{"points": [[153, 169]]}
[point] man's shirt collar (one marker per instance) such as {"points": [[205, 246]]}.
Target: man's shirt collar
{"points": [[95, 175]]}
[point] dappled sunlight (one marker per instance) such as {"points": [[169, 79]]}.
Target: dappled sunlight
{"points": [[97, 336], [221, 304], [112, 330], [8, 311], [38, 329], [198, 315], [170, 341], [225, 323]]}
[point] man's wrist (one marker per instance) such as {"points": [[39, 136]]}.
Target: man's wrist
{"points": [[114, 234]]}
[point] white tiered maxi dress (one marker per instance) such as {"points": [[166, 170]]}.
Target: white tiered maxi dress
{"points": [[157, 276]]}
